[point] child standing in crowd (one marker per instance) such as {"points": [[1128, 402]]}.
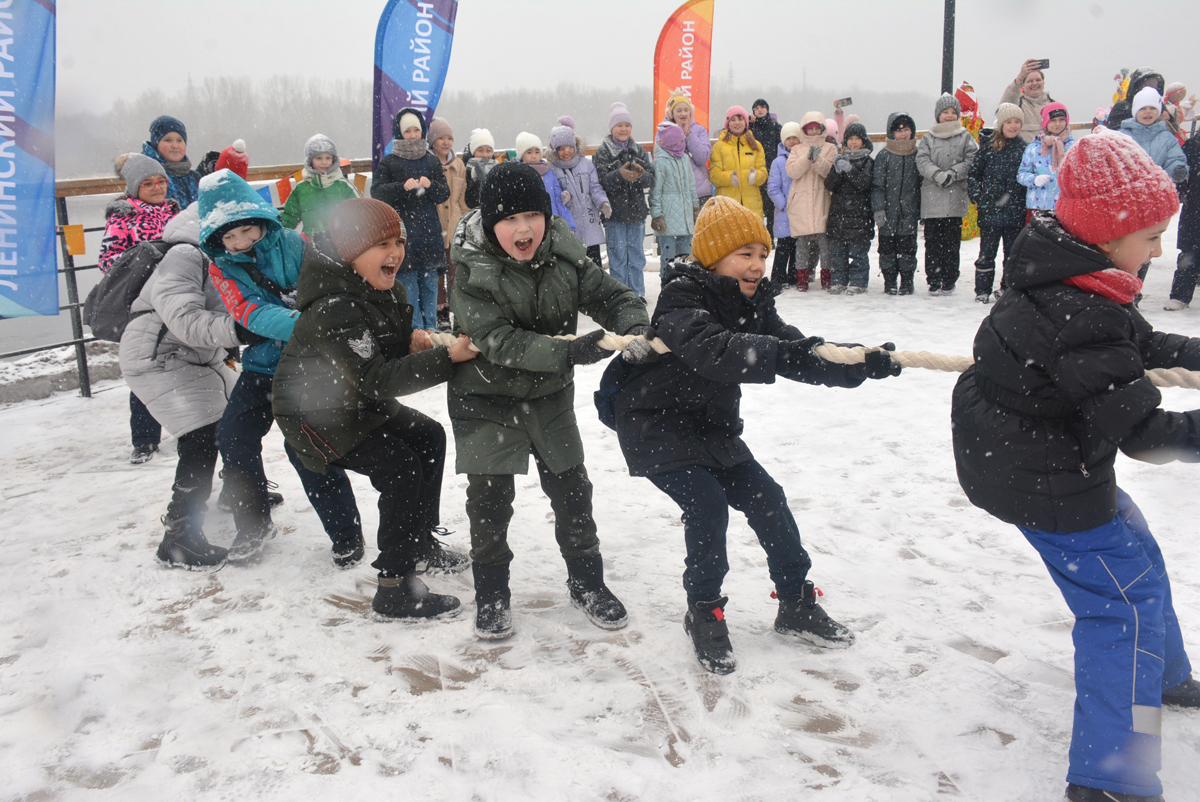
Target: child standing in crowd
{"points": [[1042, 158], [1188, 236], [625, 173], [896, 202], [411, 180], [256, 263], [1000, 198], [324, 187], [851, 224], [481, 149], [352, 352], [738, 165], [441, 144], [523, 279], [808, 200], [1058, 385], [677, 422], [529, 151], [944, 158], [779, 185], [768, 132], [1152, 133], [673, 200], [696, 142], [581, 189], [168, 146]]}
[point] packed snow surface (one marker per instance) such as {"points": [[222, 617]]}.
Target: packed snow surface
{"points": [[124, 680]]}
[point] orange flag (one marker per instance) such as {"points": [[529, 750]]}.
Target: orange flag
{"points": [[284, 187], [683, 58]]}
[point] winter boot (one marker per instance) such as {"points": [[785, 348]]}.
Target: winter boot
{"points": [[225, 501], [437, 560], [585, 581], [891, 273], [1185, 694], [801, 617], [1079, 793], [408, 597], [906, 283], [143, 453], [826, 279], [493, 608], [802, 277], [184, 546], [250, 539], [705, 624], [348, 552]]}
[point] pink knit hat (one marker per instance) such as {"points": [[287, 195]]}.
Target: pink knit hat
{"points": [[1109, 187], [1049, 110], [734, 111]]}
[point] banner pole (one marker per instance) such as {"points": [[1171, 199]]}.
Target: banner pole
{"points": [[85, 382]]}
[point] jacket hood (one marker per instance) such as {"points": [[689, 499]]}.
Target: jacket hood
{"points": [[226, 198], [1044, 253], [859, 130], [323, 273], [812, 117], [1131, 124], [184, 227], [1141, 77], [409, 110], [782, 150], [897, 119]]}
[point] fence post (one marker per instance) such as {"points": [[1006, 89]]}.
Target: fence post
{"points": [[81, 365]]}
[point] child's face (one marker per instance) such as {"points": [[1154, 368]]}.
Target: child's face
{"points": [[532, 156], [814, 129], [483, 152], [153, 190], [1012, 127], [854, 142], [1147, 115], [760, 112], [412, 132], [682, 114], [566, 152], [378, 264], [748, 264], [948, 115], [242, 238], [737, 124], [903, 132], [521, 234], [442, 146], [1057, 126], [322, 162], [172, 147], [1131, 251], [621, 132], [791, 142]]}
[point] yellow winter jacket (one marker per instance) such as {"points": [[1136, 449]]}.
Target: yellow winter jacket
{"points": [[808, 200], [735, 156]]}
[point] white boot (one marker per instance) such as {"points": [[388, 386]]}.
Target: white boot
{"points": [[1174, 305]]}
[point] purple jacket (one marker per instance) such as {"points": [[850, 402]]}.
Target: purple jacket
{"points": [[779, 184], [698, 147], [587, 196]]}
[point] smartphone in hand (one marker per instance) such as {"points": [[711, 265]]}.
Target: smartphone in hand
{"points": [[837, 104], [1042, 64]]}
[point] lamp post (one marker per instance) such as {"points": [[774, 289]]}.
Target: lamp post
{"points": [[948, 49]]}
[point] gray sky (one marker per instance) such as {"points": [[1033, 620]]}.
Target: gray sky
{"points": [[113, 49]]}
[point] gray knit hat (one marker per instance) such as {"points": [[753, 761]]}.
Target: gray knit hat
{"points": [[946, 101], [135, 169], [1006, 112], [315, 146]]}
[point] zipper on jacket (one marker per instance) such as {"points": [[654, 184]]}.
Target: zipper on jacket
{"points": [[1083, 469]]}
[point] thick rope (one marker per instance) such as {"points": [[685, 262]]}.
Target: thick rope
{"points": [[1161, 377]]}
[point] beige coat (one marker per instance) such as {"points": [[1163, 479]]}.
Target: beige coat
{"points": [[1031, 109], [808, 200], [452, 210]]}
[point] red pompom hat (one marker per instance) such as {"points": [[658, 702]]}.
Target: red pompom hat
{"points": [[1109, 187]]}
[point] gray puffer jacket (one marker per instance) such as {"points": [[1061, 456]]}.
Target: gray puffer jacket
{"points": [[172, 355], [947, 147]]}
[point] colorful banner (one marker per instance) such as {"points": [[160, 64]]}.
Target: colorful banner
{"points": [[28, 255], [683, 59], [412, 52]]}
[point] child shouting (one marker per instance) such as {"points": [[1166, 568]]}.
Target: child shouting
{"points": [[352, 351], [678, 424], [324, 187], [529, 151], [1058, 386]]}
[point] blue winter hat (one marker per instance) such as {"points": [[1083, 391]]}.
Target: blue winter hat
{"points": [[164, 125]]}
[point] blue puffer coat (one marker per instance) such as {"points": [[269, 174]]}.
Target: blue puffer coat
{"points": [[1157, 140], [225, 198], [1033, 164], [779, 184]]}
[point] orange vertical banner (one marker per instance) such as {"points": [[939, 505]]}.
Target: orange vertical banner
{"points": [[284, 187], [683, 59]]}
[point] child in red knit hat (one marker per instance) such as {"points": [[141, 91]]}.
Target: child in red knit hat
{"points": [[1057, 387]]}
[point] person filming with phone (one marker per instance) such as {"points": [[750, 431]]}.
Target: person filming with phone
{"points": [[1028, 92]]}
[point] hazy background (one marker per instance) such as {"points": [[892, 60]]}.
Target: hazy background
{"points": [[276, 71]]}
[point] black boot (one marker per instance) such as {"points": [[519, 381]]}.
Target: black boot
{"points": [[906, 283], [143, 453], [408, 597], [348, 552], [801, 617], [1185, 694], [891, 273], [1079, 793], [705, 623], [251, 538], [184, 545], [493, 613], [438, 560], [585, 580]]}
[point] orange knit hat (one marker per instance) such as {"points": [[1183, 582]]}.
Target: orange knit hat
{"points": [[724, 225]]}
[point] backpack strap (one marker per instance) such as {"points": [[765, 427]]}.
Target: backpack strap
{"points": [[265, 283]]}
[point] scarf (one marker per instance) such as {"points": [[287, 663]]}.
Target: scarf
{"points": [[178, 168], [622, 145], [861, 153], [1052, 144], [327, 179], [541, 167], [947, 130], [901, 147], [1113, 284], [411, 149], [568, 164]]}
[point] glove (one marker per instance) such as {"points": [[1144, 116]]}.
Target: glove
{"points": [[640, 351], [658, 224], [584, 351], [1041, 180], [1179, 174], [733, 179], [565, 197], [814, 151], [880, 365], [944, 178], [795, 357], [632, 171], [247, 337], [606, 210], [880, 218], [842, 165], [753, 177]]}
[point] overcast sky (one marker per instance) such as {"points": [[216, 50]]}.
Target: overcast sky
{"points": [[111, 49]]}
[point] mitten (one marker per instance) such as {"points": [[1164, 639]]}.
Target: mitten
{"points": [[1179, 174], [640, 351], [628, 173], [565, 196], [659, 224], [584, 350], [944, 178], [814, 151], [606, 210], [753, 177], [1041, 180], [247, 337], [842, 165], [795, 357], [733, 179], [881, 218], [880, 365]]}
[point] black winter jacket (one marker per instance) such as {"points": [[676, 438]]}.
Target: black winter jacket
{"points": [[1188, 236], [896, 184], [1138, 80], [767, 131], [425, 247], [628, 199], [1058, 385], [850, 215], [684, 409], [992, 182]]}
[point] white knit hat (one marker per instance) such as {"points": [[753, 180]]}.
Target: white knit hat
{"points": [[789, 130], [479, 138], [1006, 112], [1146, 96], [525, 141]]}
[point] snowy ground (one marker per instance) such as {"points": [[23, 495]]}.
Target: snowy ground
{"points": [[123, 680]]}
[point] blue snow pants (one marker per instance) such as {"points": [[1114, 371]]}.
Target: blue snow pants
{"points": [[1128, 647]]}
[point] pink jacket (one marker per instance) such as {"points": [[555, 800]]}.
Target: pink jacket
{"points": [[131, 221]]}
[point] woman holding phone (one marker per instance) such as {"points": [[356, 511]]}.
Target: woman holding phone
{"points": [[1028, 92]]}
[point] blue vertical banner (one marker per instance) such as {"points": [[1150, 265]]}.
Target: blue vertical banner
{"points": [[412, 52], [28, 252]]}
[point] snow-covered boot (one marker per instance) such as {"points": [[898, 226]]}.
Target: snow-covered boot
{"points": [[1079, 793], [437, 560], [250, 540], [826, 279], [801, 617], [585, 581], [891, 273], [408, 597], [143, 453], [705, 624], [184, 545], [1185, 694], [348, 552], [493, 608]]}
